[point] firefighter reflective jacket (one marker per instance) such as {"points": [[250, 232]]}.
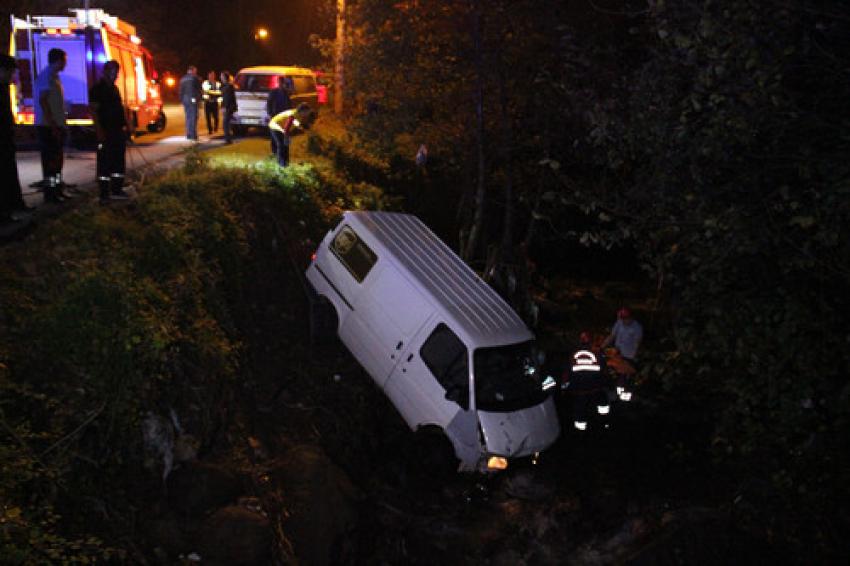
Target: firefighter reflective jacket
{"points": [[586, 372]]}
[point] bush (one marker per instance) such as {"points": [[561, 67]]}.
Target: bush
{"points": [[113, 313]]}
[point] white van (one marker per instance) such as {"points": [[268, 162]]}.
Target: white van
{"points": [[252, 90], [449, 353]]}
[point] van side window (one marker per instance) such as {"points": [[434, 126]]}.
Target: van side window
{"points": [[353, 253], [447, 358]]}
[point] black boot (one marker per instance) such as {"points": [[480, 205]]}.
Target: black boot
{"points": [[103, 185], [51, 192], [117, 187], [60, 187]]}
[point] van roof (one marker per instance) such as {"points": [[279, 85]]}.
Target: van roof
{"points": [[474, 308], [275, 70]]}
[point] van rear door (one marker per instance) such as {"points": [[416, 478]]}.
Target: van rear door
{"points": [[252, 91]]}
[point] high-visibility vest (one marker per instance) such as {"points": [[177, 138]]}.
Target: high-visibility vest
{"points": [[211, 90], [283, 122], [585, 373], [585, 360]]}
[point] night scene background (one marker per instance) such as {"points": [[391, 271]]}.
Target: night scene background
{"points": [[162, 399]]}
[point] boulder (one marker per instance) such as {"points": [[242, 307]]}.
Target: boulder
{"points": [[320, 502], [235, 536], [195, 488]]}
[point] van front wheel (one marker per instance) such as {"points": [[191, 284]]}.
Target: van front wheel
{"points": [[433, 456]]}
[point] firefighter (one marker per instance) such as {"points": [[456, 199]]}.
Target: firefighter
{"points": [[112, 130], [281, 127], [212, 98], [584, 381]]}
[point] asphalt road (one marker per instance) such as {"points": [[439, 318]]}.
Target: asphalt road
{"points": [[161, 150]]}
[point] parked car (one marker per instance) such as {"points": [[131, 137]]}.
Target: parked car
{"points": [[252, 90]]}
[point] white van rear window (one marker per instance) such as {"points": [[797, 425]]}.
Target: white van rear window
{"points": [[353, 253], [256, 83]]}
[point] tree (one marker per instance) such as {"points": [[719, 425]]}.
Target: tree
{"points": [[710, 139]]}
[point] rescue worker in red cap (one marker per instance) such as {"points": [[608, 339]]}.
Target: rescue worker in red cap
{"points": [[584, 381], [626, 336]]}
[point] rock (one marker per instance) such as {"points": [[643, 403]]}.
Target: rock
{"points": [[235, 536], [320, 501], [172, 535], [525, 484], [696, 535], [185, 448], [198, 487]]}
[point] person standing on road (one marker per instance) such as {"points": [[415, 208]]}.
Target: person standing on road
{"points": [[228, 104], [50, 124], [11, 197], [281, 127], [277, 102], [212, 97], [190, 96], [112, 130]]}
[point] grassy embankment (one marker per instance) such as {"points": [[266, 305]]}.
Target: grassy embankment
{"points": [[112, 314]]}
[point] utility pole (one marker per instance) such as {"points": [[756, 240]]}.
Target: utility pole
{"points": [[340, 56]]}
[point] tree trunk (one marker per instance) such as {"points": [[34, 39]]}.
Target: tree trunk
{"points": [[468, 253]]}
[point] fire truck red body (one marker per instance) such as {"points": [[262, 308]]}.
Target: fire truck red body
{"points": [[90, 38]]}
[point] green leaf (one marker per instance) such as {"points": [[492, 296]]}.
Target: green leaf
{"points": [[803, 221]]}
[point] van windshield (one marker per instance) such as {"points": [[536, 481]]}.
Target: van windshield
{"points": [[507, 378], [255, 83]]}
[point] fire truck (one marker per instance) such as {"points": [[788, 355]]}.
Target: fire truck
{"points": [[90, 38]]}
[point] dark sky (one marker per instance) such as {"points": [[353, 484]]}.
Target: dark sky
{"points": [[212, 34]]}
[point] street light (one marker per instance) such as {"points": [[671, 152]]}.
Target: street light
{"points": [[262, 34]]}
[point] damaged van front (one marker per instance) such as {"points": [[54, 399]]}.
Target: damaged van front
{"points": [[514, 403]]}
